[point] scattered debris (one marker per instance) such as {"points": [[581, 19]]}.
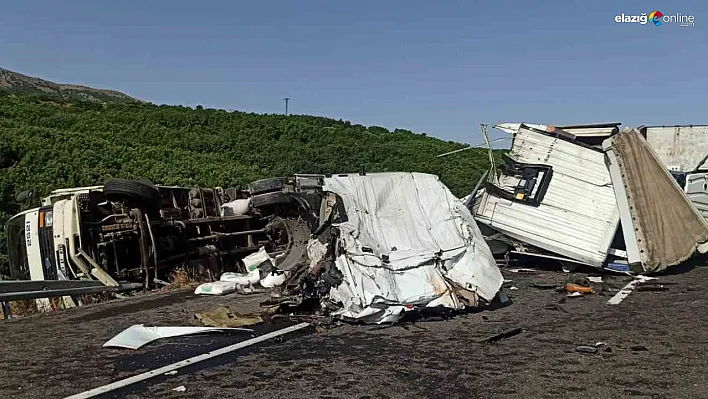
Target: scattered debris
{"points": [[604, 346], [627, 289], [574, 294], [260, 271], [173, 372], [503, 335], [595, 279], [576, 288], [216, 288], [223, 317], [593, 349], [586, 349], [568, 267], [136, 336], [180, 388], [503, 298], [513, 288], [522, 270], [618, 267]]}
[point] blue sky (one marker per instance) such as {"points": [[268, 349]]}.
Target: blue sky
{"points": [[439, 67]]}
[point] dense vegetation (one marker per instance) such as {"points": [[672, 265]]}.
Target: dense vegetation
{"points": [[47, 144]]}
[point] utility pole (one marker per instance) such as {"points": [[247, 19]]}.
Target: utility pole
{"points": [[286, 105]]}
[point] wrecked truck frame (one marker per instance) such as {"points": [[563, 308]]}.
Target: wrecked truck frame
{"points": [[132, 230]]}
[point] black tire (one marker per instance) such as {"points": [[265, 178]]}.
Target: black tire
{"points": [[135, 192], [295, 252], [270, 199], [266, 185]]}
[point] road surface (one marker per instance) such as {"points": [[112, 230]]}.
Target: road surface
{"points": [[657, 342]]}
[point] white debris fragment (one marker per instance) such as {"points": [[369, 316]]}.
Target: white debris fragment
{"points": [[273, 279], [236, 207], [255, 260], [595, 279], [138, 335], [180, 388], [521, 270], [216, 288]]}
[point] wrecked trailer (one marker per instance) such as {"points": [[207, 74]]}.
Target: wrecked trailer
{"points": [[554, 194], [133, 230], [661, 226], [394, 242], [562, 196]]}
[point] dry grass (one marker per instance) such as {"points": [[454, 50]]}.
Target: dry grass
{"points": [[97, 298], [29, 307], [183, 277], [22, 308]]}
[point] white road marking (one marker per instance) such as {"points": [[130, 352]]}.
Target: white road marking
{"points": [[187, 362]]}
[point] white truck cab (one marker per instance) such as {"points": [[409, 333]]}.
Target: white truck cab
{"points": [[38, 237]]}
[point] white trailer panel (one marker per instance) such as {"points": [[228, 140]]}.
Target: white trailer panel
{"points": [[577, 217]]}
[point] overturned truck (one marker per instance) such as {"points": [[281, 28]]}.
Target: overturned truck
{"points": [[133, 230]]}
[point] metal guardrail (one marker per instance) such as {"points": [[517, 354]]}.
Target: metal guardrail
{"points": [[23, 290]]}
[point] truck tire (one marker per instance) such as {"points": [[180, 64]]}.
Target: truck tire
{"points": [[266, 185], [139, 192], [270, 199], [294, 253]]}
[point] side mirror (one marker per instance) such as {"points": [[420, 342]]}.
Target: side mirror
{"points": [[24, 196]]}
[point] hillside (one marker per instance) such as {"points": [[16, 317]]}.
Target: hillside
{"points": [[45, 145], [17, 83]]}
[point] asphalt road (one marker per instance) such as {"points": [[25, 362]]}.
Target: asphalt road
{"points": [[657, 343]]}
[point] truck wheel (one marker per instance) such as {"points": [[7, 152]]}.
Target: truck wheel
{"points": [[139, 192], [266, 185], [270, 199], [290, 236]]}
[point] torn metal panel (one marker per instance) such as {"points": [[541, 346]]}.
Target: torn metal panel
{"points": [[405, 242], [577, 217], [585, 130], [513, 127], [680, 148], [137, 336], [659, 221]]}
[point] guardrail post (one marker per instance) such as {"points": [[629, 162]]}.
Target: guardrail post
{"points": [[6, 308]]}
